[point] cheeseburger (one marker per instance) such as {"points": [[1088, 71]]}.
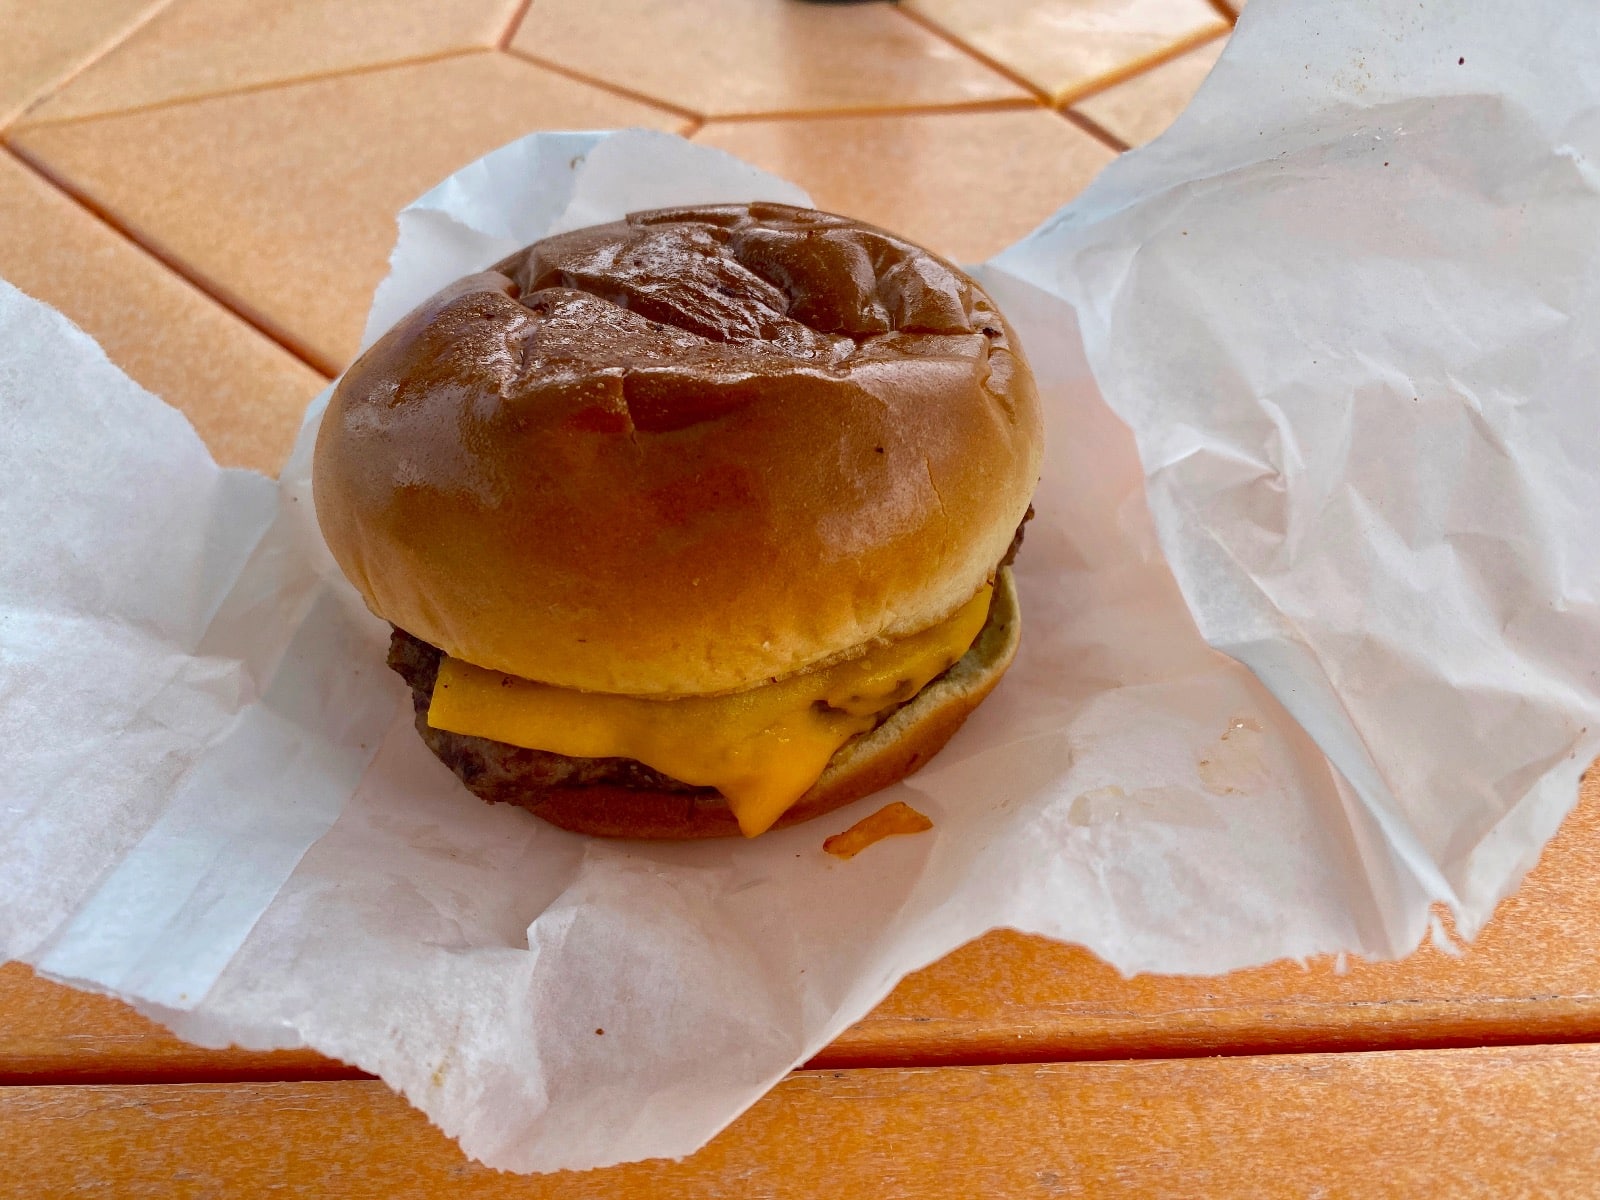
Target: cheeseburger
{"points": [[693, 524]]}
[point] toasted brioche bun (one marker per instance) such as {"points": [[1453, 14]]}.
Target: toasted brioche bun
{"points": [[684, 454], [908, 739]]}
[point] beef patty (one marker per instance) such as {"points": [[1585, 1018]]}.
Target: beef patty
{"points": [[502, 773], [499, 771]]}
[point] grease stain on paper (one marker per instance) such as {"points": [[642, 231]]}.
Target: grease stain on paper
{"points": [[1161, 806], [1236, 765]]}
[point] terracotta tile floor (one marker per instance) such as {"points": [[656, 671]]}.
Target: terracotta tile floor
{"points": [[208, 186], [1069, 48], [199, 47], [719, 58], [1138, 109], [46, 44], [967, 183]]}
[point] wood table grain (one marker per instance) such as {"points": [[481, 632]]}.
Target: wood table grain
{"points": [[1513, 1121]]}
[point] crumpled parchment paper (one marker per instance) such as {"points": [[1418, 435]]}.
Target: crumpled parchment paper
{"points": [[1347, 308]]}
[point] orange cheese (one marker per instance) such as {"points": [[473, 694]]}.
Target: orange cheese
{"points": [[762, 748]]}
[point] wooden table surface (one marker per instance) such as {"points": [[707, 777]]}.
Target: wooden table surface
{"points": [[207, 187]]}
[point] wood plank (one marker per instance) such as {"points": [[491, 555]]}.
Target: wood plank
{"points": [[1514, 1121], [55, 1034], [1532, 976]]}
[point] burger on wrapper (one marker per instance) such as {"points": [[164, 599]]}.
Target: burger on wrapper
{"points": [[693, 524]]}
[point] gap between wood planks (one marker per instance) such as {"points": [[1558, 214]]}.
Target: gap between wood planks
{"points": [[901, 1044]]}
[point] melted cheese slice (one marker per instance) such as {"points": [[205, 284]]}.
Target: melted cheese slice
{"points": [[762, 748]]}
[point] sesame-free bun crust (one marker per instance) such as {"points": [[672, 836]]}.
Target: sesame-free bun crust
{"points": [[901, 745], [685, 453]]}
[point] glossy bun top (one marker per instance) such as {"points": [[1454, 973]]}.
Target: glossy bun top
{"points": [[683, 453]]}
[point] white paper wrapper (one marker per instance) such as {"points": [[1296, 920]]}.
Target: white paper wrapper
{"points": [[1350, 304], [214, 804]]}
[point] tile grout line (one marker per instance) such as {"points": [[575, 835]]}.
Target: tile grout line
{"points": [[616, 89], [702, 120], [248, 89], [908, 110], [50, 89], [1103, 83], [266, 328], [1144, 66], [504, 41], [1226, 11], [999, 68], [1041, 97], [1094, 129]]}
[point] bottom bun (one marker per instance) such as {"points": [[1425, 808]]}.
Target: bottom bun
{"points": [[869, 763]]}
